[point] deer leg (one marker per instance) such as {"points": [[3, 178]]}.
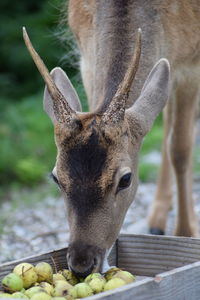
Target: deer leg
{"points": [[162, 201], [181, 157]]}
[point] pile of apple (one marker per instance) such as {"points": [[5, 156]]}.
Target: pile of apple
{"points": [[39, 283]]}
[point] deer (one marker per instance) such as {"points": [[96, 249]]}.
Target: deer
{"points": [[96, 166]]}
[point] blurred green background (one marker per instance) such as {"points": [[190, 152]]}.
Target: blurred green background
{"points": [[27, 150]]}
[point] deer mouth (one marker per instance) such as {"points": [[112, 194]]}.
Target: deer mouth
{"points": [[85, 259], [83, 274]]}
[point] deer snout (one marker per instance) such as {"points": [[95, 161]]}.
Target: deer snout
{"points": [[84, 259]]}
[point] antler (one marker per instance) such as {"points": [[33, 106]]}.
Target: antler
{"points": [[63, 112], [116, 109]]}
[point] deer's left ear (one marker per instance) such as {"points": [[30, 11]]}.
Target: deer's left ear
{"points": [[64, 85], [153, 98]]}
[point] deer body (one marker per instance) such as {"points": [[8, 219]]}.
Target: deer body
{"points": [[96, 165], [105, 32], [169, 29]]}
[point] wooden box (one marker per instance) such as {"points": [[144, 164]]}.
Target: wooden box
{"points": [[171, 266]]}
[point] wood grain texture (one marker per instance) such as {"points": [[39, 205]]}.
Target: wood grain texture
{"points": [[179, 284], [148, 255]]}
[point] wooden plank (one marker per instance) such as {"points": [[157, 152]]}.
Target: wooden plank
{"points": [[143, 255], [148, 255], [59, 256], [179, 284]]}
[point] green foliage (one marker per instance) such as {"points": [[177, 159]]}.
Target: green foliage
{"points": [[27, 149], [153, 139], [17, 69], [148, 171], [30, 170], [196, 165], [27, 146]]}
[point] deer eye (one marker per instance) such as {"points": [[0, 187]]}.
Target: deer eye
{"points": [[124, 181], [54, 178]]}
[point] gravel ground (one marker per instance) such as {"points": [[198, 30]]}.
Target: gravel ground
{"points": [[42, 227]]}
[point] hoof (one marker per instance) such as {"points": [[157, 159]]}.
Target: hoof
{"points": [[156, 231]]}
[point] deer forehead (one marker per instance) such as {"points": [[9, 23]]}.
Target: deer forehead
{"points": [[90, 154], [86, 170]]}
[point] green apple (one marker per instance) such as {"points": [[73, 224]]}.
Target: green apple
{"points": [[34, 290], [62, 288], [97, 284], [69, 276], [92, 276], [111, 272], [44, 272], [113, 284], [41, 296], [124, 275], [58, 276], [27, 273], [58, 298], [81, 290], [5, 295], [19, 295], [47, 287], [12, 283]]}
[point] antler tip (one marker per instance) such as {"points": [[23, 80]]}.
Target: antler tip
{"points": [[24, 29], [25, 34]]}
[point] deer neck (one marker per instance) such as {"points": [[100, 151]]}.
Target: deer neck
{"points": [[115, 41]]}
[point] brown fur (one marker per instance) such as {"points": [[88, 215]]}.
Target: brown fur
{"points": [[116, 142], [93, 157], [170, 29], [96, 166]]}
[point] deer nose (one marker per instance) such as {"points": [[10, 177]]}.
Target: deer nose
{"points": [[83, 269], [84, 259]]}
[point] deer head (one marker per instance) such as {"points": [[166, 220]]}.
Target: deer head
{"points": [[96, 165]]}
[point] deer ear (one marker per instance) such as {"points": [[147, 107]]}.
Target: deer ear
{"points": [[152, 99], [64, 85]]}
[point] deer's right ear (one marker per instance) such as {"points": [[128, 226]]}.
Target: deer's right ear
{"points": [[152, 100], [64, 85]]}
